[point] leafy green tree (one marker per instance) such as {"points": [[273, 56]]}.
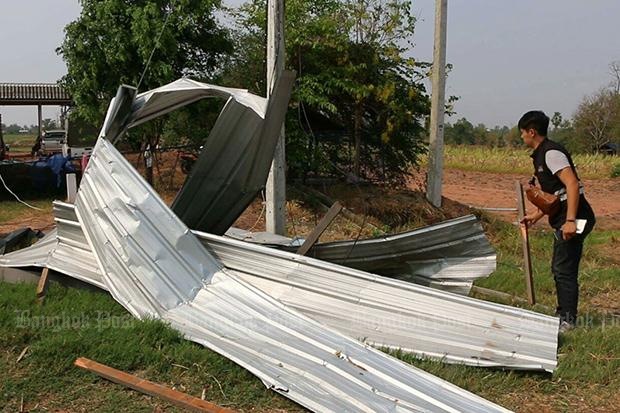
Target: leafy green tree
{"points": [[462, 132], [556, 120], [513, 137], [359, 105], [13, 128], [597, 119], [48, 124], [112, 41]]}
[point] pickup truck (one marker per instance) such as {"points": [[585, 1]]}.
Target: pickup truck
{"points": [[52, 141]]}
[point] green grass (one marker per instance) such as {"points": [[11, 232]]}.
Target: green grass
{"points": [[14, 210], [75, 323], [518, 161], [19, 142]]}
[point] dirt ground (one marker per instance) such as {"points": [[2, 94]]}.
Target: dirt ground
{"points": [[489, 190], [469, 188]]}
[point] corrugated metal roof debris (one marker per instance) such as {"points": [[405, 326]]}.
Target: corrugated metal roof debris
{"points": [[222, 293], [449, 255], [155, 267]]}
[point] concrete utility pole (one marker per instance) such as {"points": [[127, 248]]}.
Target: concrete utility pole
{"points": [[438, 101], [276, 182]]}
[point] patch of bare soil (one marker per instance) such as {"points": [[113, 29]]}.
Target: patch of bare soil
{"points": [[607, 302], [43, 221], [492, 190]]}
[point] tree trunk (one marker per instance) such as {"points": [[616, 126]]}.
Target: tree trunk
{"points": [[357, 133]]}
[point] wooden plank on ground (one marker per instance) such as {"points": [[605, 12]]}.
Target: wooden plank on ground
{"points": [[529, 281], [152, 389], [333, 211], [42, 285]]}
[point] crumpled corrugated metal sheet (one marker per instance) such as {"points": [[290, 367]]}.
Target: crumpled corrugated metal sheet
{"points": [[35, 255], [155, 267], [393, 313], [449, 255], [234, 163], [138, 273], [382, 312], [64, 249], [236, 156]]}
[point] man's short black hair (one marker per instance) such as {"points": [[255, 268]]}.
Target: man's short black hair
{"points": [[535, 119]]}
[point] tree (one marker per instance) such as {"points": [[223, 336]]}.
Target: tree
{"points": [[462, 132], [47, 124], [614, 71], [598, 118], [13, 128], [556, 119], [360, 103], [112, 41]]}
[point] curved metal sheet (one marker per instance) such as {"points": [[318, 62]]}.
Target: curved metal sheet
{"points": [[381, 312], [155, 267]]}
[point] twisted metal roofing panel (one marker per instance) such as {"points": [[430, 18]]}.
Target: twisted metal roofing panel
{"points": [[382, 312], [155, 267]]}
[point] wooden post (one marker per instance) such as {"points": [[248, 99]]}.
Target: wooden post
{"points": [[42, 285], [2, 147], [40, 118], [527, 262], [152, 389], [319, 229], [71, 188], [438, 98], [275, 189]]}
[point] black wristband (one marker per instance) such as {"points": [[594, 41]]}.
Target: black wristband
{"points": [[570, 220]]}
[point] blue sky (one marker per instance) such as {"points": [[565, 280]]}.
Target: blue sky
{"points": [[508, 56]]}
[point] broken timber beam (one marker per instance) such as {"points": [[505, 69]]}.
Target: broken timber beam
{"points": [[529, 281], [333, 211], [152, 389], [42, 285]]}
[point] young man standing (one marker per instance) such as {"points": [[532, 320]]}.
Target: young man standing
{"points": [[556, 174]]}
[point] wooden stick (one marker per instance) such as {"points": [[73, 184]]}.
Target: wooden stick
{"points": [[497, 294], [42, 285], [319, 229], [152, 389], [529, 281]]}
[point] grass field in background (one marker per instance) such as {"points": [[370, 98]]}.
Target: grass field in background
{"points": [[518, 161], [586, 380], [19, 142]]}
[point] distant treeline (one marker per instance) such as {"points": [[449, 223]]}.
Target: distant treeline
{"points": [[594, 127]]}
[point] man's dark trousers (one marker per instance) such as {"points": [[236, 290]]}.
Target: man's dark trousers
{"points": [[565, 269]]}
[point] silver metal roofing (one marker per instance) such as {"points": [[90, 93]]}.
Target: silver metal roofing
{"points": [[449, 255], [155, 267], [428, 323], [221, 293], [234, 164], [33, 94]]}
